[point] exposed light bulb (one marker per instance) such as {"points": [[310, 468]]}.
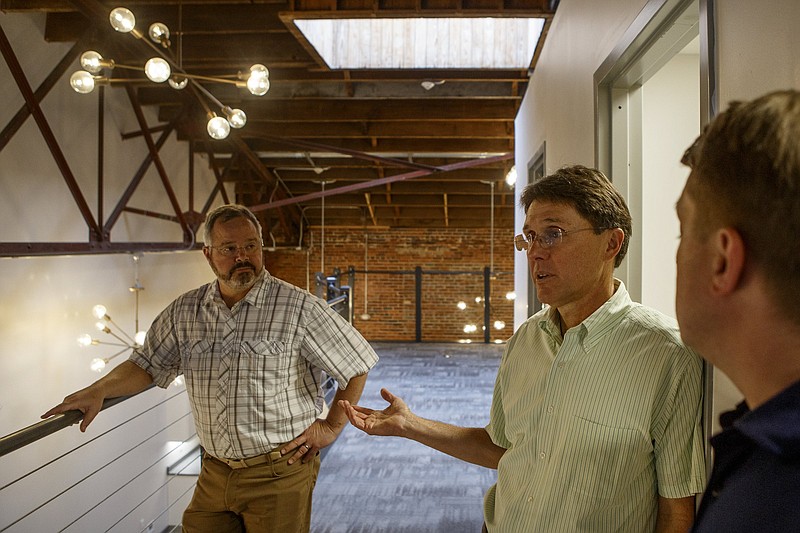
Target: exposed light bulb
{"points": [[258, 82], [93, 62], [99, 311], [259, 70], [97, 364], [478, 299], [178, 82], [159, 33], [122, 19], [236, 117], [218, 128], [511, 295], [82, 82], [85, 340], [157, 70], [511, 177], [499, 324], [461, 305], [139, 337], [101, 326]]}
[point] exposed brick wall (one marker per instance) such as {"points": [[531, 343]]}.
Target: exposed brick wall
{"points": [[391, 299]]}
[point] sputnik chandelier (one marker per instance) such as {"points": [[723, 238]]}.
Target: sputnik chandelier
{"points": [[160, 69], [104, 324]]}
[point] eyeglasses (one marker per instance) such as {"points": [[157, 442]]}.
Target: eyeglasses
{"points": [[232, 250], [547, 239]]}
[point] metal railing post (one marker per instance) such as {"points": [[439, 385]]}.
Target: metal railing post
{"points": [[487, 311]]}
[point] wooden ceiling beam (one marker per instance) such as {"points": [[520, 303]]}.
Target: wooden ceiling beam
{"points": [[354, 110], [364, 174], [397, 130], [399, 147], [414, 188]]}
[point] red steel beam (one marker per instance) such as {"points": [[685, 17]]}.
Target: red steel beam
{"points": [[380, 181]]}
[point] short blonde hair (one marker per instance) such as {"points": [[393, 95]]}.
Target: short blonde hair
{"points": [[746, 175]]}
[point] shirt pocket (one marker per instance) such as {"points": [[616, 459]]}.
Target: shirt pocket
{"points": [[604, 459], [196, 358], [263, 368]]}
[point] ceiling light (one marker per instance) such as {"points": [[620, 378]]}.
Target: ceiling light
{"points": [[82, 81], [511, 177], [236, 117], [218, 128], [105, 324], [160, 68], [258, 80], [428, 84], [157, 70], [178, 82], [122, 20], [159, 33]]}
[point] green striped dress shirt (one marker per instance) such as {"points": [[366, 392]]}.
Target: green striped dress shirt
{"points": [[596, 424]]}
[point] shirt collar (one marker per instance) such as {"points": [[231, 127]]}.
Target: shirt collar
{"points": [[775, 424], [256, 296], [596, 325]]}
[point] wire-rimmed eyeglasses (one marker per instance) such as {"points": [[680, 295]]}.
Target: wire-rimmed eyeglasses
{"points": [[232, 250], [547, 239]]}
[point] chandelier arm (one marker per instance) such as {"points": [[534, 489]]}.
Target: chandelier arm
{"points": [[209, 95], [121, 330], [109, 358], [104, 343]]}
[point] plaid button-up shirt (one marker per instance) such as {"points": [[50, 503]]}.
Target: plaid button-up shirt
{"points": [[253, 372]]}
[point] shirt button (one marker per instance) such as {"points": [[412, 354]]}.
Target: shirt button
{"points": [[550, 409], [530, 499], [561, 364], [541, 455]]}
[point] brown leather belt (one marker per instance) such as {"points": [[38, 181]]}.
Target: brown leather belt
{"points": [[236, 464]]}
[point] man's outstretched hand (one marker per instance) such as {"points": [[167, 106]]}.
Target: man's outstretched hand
{"points": [[393, 421]]}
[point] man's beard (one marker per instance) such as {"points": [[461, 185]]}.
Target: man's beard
{"points": [[237, 278]]}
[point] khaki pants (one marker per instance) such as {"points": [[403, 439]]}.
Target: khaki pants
{"points": [[273, 497]]}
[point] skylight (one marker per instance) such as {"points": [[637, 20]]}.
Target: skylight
{"points": [[418, 43]]}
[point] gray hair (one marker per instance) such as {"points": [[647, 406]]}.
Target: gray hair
{"points": [[225, 213]]}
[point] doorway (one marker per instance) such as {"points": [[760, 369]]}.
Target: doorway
{"points": [[653, 94]]}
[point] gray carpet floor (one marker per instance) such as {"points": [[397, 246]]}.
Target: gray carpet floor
{"points": [[392, 485]]}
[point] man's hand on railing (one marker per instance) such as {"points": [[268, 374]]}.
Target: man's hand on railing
{"points": [[125, 379], [89, 401]]}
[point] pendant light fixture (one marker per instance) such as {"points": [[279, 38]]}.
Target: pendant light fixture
{"points": [[160, 68]]}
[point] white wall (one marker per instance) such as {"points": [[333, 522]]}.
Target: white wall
{"points": [[670, 121], [559, 103], [757, 45], [47, 301]]}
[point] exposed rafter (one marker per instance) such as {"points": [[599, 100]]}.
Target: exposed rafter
{"points": [[379, 134]]}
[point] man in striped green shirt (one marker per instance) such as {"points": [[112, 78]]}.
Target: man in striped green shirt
{"points": [[595, 419]]}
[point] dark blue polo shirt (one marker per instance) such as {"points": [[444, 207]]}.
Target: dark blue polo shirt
{"points": [[755, 482]]}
